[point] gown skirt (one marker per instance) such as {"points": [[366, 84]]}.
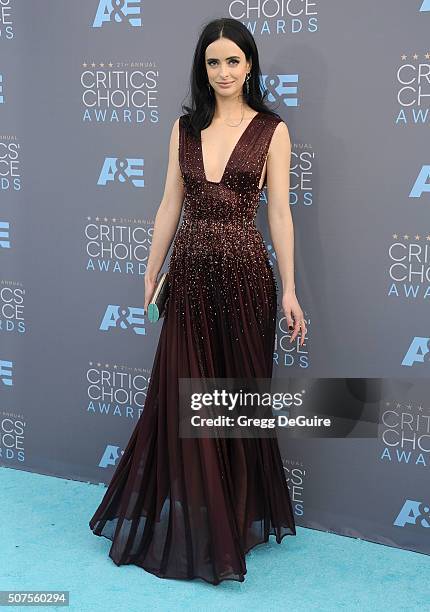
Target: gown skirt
{"points": [[193, 507]]}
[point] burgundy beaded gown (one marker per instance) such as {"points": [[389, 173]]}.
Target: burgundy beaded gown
{"points": [[193, 507]]}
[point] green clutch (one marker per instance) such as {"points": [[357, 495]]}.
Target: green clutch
{"points": [[157, 305]]}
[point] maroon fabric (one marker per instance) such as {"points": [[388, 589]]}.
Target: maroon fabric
{"points": [[187, 508]]}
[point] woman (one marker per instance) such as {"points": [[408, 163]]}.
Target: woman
{"points": [[187, 507]]}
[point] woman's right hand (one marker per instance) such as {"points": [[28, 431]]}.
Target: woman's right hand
{"points": [[150, 284]]}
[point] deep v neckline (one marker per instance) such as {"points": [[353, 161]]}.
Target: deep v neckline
{"points": [[236, 146]]}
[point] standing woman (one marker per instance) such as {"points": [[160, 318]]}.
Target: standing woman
{"points": [[189, 507]]}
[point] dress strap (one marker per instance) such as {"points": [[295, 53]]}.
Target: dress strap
{"points": [[187, 149], [259, 146]]}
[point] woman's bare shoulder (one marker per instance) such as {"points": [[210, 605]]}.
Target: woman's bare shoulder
{"points": [[280, 139]]}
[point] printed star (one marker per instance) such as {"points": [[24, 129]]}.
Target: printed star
{"points": [[395, 236], [417, 237], [415, 56], [404, 57]]}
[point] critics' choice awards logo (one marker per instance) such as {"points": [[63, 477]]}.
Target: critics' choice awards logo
{"points": [[409, 266], [276, 18], [118, 11], [118, 245], [295, 475], [413, 512], [6, 20], [301, 176], [122, 170], [119, 92], [413, 93], [116, 390], [287, 354], [404, 432], [12, 296], [12, 430], [10, 176]]}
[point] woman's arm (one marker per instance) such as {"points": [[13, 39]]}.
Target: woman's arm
{"points": [[281, 223], [278, 211], [167, 217]]}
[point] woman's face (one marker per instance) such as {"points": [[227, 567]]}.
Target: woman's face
{"points": [[226, 63]]}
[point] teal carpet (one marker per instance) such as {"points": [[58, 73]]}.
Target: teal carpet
{"points": [[46, 544]]}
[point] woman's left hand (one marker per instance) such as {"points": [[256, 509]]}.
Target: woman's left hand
{"points": [[292, 310]]}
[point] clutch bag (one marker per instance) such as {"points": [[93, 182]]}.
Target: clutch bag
{"points": [[157, 305]]}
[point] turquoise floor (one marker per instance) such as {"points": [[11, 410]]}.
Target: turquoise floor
{"points": [[46, 544]]}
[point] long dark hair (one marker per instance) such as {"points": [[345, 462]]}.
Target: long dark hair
{"points": [[202, 106]]}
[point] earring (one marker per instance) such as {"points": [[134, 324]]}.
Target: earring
{"points": [[209, 88], [248, 76]]}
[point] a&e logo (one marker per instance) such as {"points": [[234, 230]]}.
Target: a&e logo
{"points": [[118, 11], [110, 456], [122, 170], [125, 318], [282, 86], [413, 513], [4, 235], [6, 373], [417, 351], [421, 185]]}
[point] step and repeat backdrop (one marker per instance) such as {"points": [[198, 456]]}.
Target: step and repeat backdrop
{"points": [[89, 91]]}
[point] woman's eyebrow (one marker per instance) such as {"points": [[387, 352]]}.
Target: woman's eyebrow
{"points": [[231, 57]]}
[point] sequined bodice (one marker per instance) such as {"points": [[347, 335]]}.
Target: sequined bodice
{"points": [[236, 196], [219, 257]]}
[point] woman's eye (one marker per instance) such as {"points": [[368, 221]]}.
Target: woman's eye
{"points": [[213, 62]]}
